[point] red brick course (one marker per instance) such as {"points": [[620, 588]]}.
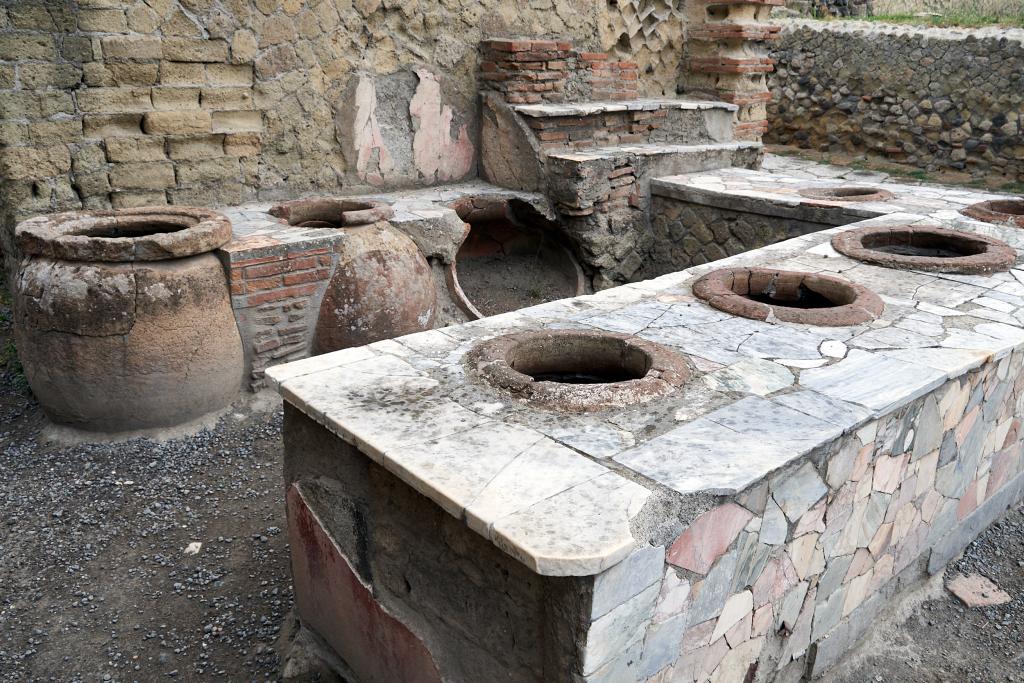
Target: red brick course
{"points": [[273, 293]]}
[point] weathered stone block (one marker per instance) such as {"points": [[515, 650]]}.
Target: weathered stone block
{"points": [[114, 100], [17, 47], [175, 99], [35, 76], [237, 121], [229, 74], [25, 163], [194, 50], [182, 73], [210, 170], [155, 175], [196, 147], [227, 98], [108, 125], [124, 200], [242, 144], [131, 47], [102, 20], [176, 122], [135, 149], [63, 130], [92, 184]]}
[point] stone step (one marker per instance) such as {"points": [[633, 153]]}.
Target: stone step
{"points": [[597, 124], [589, 108], [657, 159], [617, 178]]}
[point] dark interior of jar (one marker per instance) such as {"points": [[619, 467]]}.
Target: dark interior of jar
{"points": [[802, 296], [140, 227], [909, 243], [1013, 207], [580, 360]]}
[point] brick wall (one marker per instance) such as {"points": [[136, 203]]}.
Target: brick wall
{"points": [[527, 71], [276, 295], [728, 59], [534, 71], [606, 128], [610, 79]]}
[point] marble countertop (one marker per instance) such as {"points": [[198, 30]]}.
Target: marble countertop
{"points": [[774, 190], [559, 492]]}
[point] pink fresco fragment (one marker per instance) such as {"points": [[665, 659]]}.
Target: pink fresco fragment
{"points": [[704, 541], [438, 156], [373, 161]]}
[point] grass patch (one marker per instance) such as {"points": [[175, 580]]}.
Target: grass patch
{"points": [[948, 20]]}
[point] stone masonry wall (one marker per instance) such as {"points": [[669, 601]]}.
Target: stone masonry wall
{"points": [[686, 235], [936, 98], [215, 102]]}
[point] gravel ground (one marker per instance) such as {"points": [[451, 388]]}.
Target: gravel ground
{"points": [[940, 639], [95, 583]]}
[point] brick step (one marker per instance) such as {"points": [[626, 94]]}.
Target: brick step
{"points": [[588, 125], [610, 179]]}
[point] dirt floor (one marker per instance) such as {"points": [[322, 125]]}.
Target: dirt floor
{"points": [[97, 583], [503, 268]]}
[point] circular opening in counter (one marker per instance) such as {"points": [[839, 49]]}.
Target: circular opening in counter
{"points": [[926, 247], [847, 193], [1004, 211], [331, 213], [578, 370], [511, 258], [121, 235], [788, 296]]}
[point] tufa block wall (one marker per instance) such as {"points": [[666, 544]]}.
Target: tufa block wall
{"points": [[213, 102]]}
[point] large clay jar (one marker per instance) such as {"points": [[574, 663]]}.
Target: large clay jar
{"points": [[382, 286], [123, 318]]}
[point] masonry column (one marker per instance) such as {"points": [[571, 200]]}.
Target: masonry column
{"points": [[727, 58]]}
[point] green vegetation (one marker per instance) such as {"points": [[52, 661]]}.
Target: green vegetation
{"points": [[952, 19], [965, 13]]}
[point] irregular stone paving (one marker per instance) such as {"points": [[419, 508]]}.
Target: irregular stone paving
{"points": [[842, 462]]}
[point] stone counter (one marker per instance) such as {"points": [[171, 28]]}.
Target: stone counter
{"points": [[702, 217], [758, 518]]}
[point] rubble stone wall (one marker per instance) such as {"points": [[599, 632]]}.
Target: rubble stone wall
{"points": [[215, 102], [940, 99], [686, 234]]}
